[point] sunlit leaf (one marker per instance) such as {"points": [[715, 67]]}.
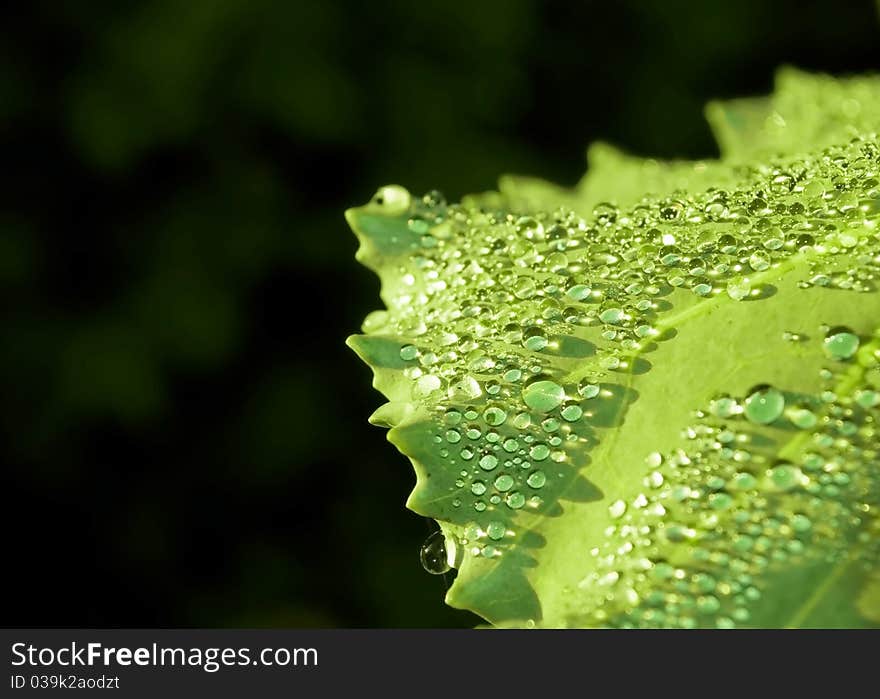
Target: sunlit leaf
{"points": [[651, 399]]}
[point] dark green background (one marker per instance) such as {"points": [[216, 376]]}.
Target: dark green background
{"points": [[184, 434]]}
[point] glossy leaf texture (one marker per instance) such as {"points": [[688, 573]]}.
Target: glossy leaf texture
{"points": [[652, 400]]}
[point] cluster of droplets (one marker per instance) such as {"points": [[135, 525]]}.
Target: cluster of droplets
{"points": [[720, 516], [514, 320]]}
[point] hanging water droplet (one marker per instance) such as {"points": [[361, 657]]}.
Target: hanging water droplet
{"points": [[433, 554]]}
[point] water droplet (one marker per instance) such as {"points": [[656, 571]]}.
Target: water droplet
{"points": [[494, 416], [617, 508], [392, 200], [539, 452], [433, 554], [408, 352], [504, 482], [543, 396], [868, 399], [515, 500], [739, 289], [466, 388], [572, 413], [530, 228], [578, 292], [550, 425], [784, 476], [764, 405], [743, 481], [488, 462], [724, 407], [841, 343], [802, 418], [495, 530], [588, 390], [522, 421], [536, 479], [759, 261], [801, 523], [427, 384], [613, 316], [524, 287]]}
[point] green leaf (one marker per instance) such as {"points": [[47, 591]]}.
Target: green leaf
{"points": [[652, 399]]}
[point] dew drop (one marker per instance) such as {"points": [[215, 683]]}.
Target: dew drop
{"points": [[495, 530], [759, 261], [784, 477], [543, 396], [578, 292], [539, 452], [504, 482], [724, 407], [588, 390], [408, 352], [614, 316], [522, 421], [764, 405], [572, 413], [739, 289], [494, 416], [393, 199], [466, 388], [617, 508], [536, 479], [433, 554], [841, 343], [488, 462]]}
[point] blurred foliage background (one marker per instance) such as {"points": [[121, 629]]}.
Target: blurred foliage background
{"points": [[184, 434]]}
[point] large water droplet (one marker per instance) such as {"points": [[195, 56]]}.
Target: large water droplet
{"points": [[841, 343], [543, 396], [537, 479], [488, 462], [433, 554], [391, 200], [495, 530], [504, 482], [764, 405]]}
